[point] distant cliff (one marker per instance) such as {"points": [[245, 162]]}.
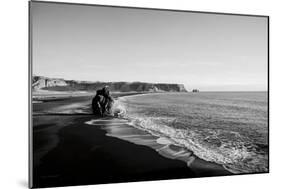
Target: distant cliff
{"points": [[39, 82], [56, 84]]}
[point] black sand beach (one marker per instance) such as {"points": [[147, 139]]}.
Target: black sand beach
{"points": [[67, 151]]}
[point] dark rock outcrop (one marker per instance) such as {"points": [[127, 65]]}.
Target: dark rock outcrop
{"points": [[195, 91], [102, 102]]}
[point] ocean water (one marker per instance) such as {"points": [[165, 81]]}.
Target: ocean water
{"points": [[228, 128]]}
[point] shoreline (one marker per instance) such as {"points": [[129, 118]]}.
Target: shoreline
{"points": [[197, 164], [67, 151], [84, 154], [162, 145]]}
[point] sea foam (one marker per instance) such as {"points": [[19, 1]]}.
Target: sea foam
{"points": [[235, 152]]}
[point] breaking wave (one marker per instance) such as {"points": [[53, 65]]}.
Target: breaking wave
{"points": [[237, 153]]}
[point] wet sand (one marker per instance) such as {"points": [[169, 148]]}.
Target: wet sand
{"points": [[69, 151]]}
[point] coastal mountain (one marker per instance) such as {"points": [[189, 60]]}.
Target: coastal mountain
{"points": [[57, 84]]}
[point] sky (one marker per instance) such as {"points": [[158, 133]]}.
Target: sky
{"points": [[210, 52]]}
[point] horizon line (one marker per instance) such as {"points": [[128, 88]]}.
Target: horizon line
{"points": [[190, 90]]}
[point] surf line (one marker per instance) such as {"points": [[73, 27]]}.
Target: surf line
{"points": [[63, 114], [108, 121]]}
